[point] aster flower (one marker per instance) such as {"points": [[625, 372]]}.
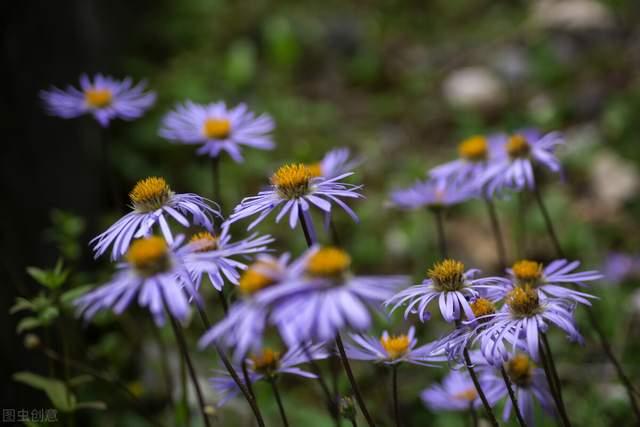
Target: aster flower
{"points": [[323, 297], [104, 97], [620, 266], [152, 202], [521, 321], [431, 193], [529, 382], [456, 393], [450, 285], [217, 128], [336, 162], [214, 256], [243, 327], [391, 350], [295, 189], [154, 274], [267, 364], [513, 168]]}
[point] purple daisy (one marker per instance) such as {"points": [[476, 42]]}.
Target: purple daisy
{"points": [[323, 298], [514, 167], [431, 193], [154, 274], [336, 162], [620, 266], [105, 98], [391, 350], [152, 201], [295, 189], [214, 256], [455, 393], [267, 364], [450, 284], [218, 128]]}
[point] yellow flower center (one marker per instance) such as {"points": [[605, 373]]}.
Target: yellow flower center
{"points": [[523, 301], [474, 149], [204, 241], [216, 128], [527, 272], [447, 275], [150, 194], [292, 181], [98, 98], [469, 394], [396, 346], [254, 278], [520, 369], [266, 362], [517, 146], [482, 307], [315, 169], [149, 256], [328, 262]]}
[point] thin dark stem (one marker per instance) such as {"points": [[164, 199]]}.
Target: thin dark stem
{"points": [[352, 381], [335, 237], [223, 301], [307, 229], [438, 215], [394, 382], [547, 221], [497, 232], [276, 394], [353, 422], [332, 404], [555, 388], [247, 380], [474, 415], [215, 178], [476, 383], [513, 397], [182, 345], [234, 375]]}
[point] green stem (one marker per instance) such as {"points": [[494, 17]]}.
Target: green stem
{"points": [[438, 215], [553, 385], [497, 232], [476, 383], [394, 386], [513, 397]]}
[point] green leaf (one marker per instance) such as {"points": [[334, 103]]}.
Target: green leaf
{"points": [[27, 324], [56, 390], [51, 279], [39, 275], [49, 314], [68, 297], [97, 405], [80, 380], [20, 305]]}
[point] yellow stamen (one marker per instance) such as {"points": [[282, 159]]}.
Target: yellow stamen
{"points": [[520, 369], [98, 98], [447, 275], [523, 301], [328, 262], [150, 194], [204, 241], [474, 149], [315, 169], [396, 346], [526, 271], [149, 255], [266, 362], [216, 128], [255, 277], [292, 181], [482, 307], [469, 394], [517, 146]]}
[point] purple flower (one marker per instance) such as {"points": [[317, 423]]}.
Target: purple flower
{"points": [[432, 193], [152, 202], [104, 97], [294, 188], [323, 297], [335, 163], [450, 284], [154, 274], [214, 256], [619, 266], [513, 168], [267, 364], [243, 327], [456, 393], [391, 350], [218, 128]]}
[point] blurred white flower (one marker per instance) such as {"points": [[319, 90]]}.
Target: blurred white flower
{"points": [[474, 87]]}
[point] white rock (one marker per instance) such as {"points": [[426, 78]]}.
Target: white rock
{"points": [[571, 15], [474, 87]]}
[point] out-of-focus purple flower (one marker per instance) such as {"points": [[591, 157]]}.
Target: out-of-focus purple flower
{"points": [[456, 393], [104, 97], [336, 162], [450, 284], [217, 128], [324, 298], [267, 363], [153, 202], [619, 266], [391, 350], [215, 256], [294, 189], [243, 327], [514, 167], [154, 274], [432, 193]]}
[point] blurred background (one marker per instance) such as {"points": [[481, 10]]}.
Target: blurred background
{"points": [[400, 83]]}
